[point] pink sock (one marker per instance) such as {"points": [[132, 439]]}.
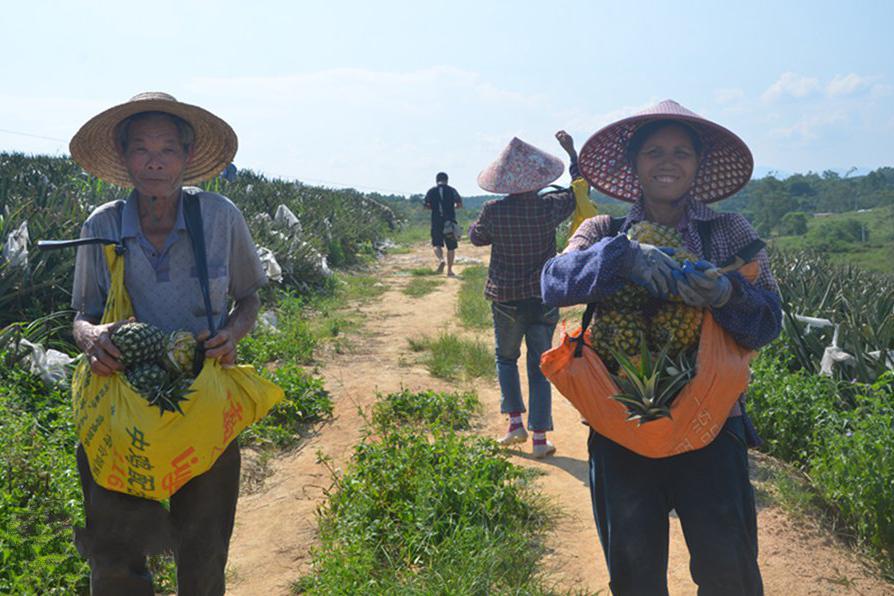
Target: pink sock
{"points": [[539, 437], [515, 421]]}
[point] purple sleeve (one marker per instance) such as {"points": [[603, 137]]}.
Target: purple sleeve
{"points": [[478, 233], [584, 276], [753, 315]]}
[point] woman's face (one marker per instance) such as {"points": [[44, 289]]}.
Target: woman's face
{"points": [[666, 164]]}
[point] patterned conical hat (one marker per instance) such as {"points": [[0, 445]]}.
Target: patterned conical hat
{"points": [[520, 168], [93, 147], [725, 167]]}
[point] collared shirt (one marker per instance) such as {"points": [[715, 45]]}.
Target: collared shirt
{"points": [[163, 285], [521, 230]]}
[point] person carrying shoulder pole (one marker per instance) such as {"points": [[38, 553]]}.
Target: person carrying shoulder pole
{"points": [[521, 230]]}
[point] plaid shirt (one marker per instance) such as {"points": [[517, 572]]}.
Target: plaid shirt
{"points": [[591, 268], [730, 232], [521, 230]]}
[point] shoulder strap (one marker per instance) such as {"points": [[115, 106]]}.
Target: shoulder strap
{"points": [[192, 213], [704, 234], [616, 224]]}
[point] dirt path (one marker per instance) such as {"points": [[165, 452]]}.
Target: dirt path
{"points": [[276, 527]]}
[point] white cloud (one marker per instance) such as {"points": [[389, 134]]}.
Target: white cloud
{"points": [[791, 84], [841, 85], [728, 96], [809, 127]]}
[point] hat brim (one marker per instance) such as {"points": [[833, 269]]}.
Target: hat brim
{"points": [[725, 167], [94, 145]]}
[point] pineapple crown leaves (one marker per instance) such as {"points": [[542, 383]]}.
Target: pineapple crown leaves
{"points": [[650, 384]]}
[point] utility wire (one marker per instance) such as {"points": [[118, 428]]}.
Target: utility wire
{"points": [[313, 180], [26, 134]]}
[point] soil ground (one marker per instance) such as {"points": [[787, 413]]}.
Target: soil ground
{"points": [[276, 524]]}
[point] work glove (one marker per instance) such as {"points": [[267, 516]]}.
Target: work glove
{"points": [[700, 289], [652, 268]]}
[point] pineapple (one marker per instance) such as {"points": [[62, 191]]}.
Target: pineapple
{"points": [[649, 383], [677, 325], [138, 342], [158, 386], [180, 352], [617, 330]]}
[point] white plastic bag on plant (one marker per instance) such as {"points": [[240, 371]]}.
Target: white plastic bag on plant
{"points": [[50, 365], [15, 251], [271, 267], [269, 320], [284, 217]]}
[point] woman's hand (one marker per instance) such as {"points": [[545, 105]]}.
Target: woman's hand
{"points": [[652, 268], [699, 290], [221, 347], [567, 144]]}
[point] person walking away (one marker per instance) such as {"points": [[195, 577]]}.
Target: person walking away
{"points": [[521, 231], [670, 163], [154, 145], [443, 200]]}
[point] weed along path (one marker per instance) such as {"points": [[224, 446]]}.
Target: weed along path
{"points": [[276, 525]]}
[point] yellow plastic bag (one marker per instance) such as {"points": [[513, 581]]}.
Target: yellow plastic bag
{"points": [[583, 207], [135, 450]]}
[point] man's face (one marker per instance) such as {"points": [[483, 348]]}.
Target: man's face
{"points": [[155, 159]]}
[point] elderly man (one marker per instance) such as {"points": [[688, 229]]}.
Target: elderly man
{"points": [[155, 144], [521, 230]]}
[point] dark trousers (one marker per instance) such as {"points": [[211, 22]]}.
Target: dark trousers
{"points": [[122, 530], [710, 491]]}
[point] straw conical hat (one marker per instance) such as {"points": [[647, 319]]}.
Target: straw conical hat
{"points": [[725, 167], [520, 168], [93, 147]]}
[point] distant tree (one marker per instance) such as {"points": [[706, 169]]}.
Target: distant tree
{"points": [[836, 233], [793, 223]]}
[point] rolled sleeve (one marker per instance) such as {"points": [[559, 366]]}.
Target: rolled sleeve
{"points": [[247, 273], [479, 234], [753, 315], [91, 278]]}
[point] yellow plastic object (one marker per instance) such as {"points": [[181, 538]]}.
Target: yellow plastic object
{"points": [[583, 207], [134, 449]]}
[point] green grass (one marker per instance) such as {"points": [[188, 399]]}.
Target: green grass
{"points": [[428, 511], [422, 271], [420, 286], [876, 254], [473, 309], [453, 410], [455, 358]]}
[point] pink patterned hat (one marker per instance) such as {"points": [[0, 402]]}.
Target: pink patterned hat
{"points": [[725, 167], [520, 168]]}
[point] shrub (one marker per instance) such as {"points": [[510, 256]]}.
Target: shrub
{"points": [[453, 410]]}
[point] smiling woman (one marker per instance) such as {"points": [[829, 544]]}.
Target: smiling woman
{"points": [[669, 162]]}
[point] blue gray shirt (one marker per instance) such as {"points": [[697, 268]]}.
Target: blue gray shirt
{"points": [[163, 284]]}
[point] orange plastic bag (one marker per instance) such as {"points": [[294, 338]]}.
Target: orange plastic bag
{"points": [[697, 413]]}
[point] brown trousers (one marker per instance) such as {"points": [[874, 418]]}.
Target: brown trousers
{"points": [[122, 530]]}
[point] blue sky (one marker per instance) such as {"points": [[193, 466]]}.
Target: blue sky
{"points": [[382, 95]]}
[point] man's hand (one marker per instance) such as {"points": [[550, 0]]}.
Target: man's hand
{"points": [[96, 343], [699, 290], [221, 347], [567, 144]]}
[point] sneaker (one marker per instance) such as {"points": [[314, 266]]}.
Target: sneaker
{"points": [[543, 450], [519, 435], [441, 266]]}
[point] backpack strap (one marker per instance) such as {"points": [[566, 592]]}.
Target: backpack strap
{"points": [[615, 225], [192, 213]]}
